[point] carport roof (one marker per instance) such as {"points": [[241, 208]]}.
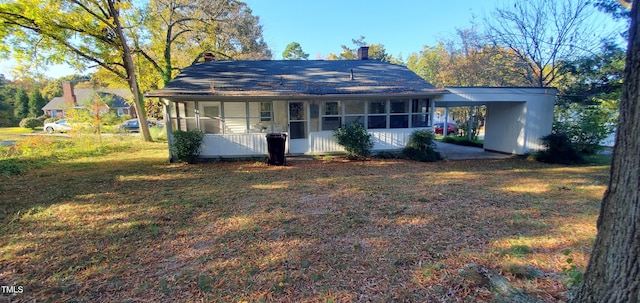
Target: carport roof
{"points": [[481, 95], [299, 78]]}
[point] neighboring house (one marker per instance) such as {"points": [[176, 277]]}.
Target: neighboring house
{"points": [[78, 97], [236, 103]]}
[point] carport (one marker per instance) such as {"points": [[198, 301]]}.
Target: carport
{"points": [[516, 119]]}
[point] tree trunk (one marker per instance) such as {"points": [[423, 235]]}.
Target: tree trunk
{"points": [[138, 101], [613, 273]]}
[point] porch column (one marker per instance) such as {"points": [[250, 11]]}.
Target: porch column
{"points": [[167, 126]]}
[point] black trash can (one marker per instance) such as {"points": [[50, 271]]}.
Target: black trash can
{"points": [[275, 147]]}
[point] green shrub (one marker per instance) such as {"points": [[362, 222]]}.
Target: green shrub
{"points": [[388, 155], [30, 123], [422, 147], [43, 118], [355, 139], [585, 126], [463, 141], [13, 167], [559, 149], [186, 145]]}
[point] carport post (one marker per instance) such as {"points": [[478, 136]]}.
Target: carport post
{"points": [[446, 122], [470, 126]]}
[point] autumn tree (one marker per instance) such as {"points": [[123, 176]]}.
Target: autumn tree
{"points": [[294, 51], [613, 272], [430, 63], [542, 33], [177, 32], [78, 32], [466, 59]]}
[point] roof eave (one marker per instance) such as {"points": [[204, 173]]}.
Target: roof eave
{"points": [[200, 96]]}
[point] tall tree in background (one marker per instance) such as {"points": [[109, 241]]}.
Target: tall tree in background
{"points": [[178, 31], [294, 51], [78, 32], [542, 33], [613, 273], [36, 103], [21, 104], [466, 60], [6, 103], [376, 51], [430, 63]]}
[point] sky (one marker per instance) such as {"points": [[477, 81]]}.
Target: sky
{"points": [[402, 26], [321, 27]]}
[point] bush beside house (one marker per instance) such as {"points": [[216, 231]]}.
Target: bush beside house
{"points": [[355, 139]]}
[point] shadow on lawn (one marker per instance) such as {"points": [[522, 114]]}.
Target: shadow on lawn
{"points": [[314, 230]]}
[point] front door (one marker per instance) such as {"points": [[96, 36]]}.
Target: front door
{"points": [[298, 135]]}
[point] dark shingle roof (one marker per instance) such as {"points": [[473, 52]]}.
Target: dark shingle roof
{"points": [[117, 97], [296, 78]]}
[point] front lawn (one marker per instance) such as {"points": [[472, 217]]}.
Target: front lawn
{"points": [[126, 226], [14, 133]]}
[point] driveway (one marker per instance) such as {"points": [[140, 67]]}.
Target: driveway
{"points": [[459, 152]]}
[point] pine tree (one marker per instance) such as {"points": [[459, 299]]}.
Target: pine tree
{"points": [[21, 104], [36, 103]]}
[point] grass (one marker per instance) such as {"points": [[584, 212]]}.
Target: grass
{"points": [[125, 225], [13, 133], [461, 141]]}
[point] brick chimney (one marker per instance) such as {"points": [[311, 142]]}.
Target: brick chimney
{"points": [[67, 93], [363, 53]]}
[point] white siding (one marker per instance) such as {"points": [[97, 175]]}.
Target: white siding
{"points": [[233, 145], [505, 128], [384, 139], [246, 145]]}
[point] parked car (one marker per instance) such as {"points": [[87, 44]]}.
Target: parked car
{"points": [[133, 125], [58, 126], [452, 128]]}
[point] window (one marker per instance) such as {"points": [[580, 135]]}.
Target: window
{"points": [[354, 112], [420, 113], [377, 107], [331, 115], [260, 117], [399, 106], [235, 117], [331, 123], [332, 108], [376, 120], [351, 119], [265, 111], [212, 111], [355, 107], [399, 117], [210, 121], [399, 121]]}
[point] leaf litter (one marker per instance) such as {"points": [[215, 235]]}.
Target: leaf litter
{"points": [[312, 231]]}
